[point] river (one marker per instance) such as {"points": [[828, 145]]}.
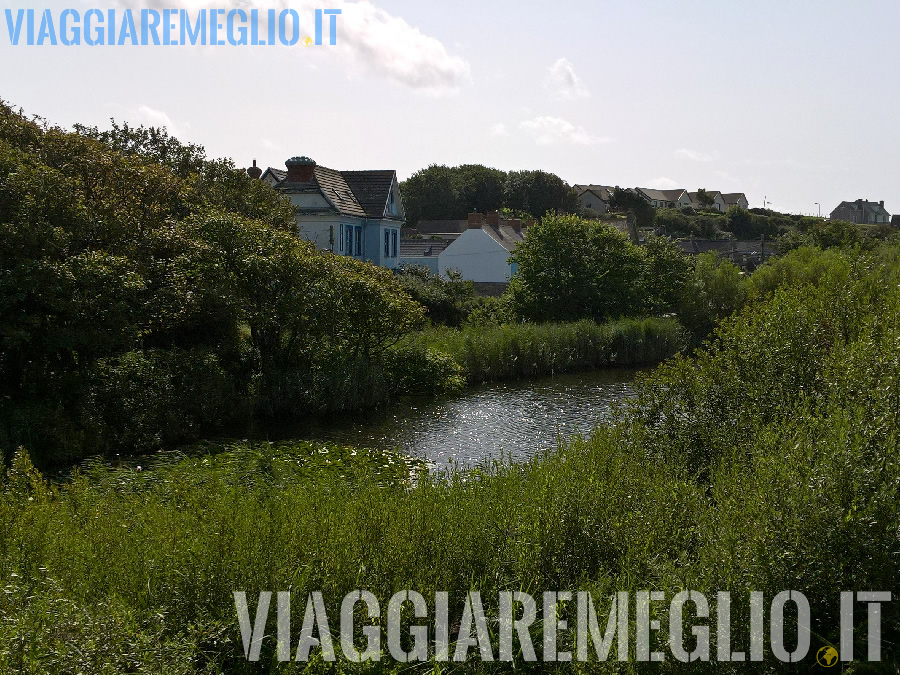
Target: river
{"points": [[511, 420]]}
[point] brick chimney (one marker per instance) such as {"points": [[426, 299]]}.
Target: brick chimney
{"points": [[300, 170], [515, 224], [881, 203], [493, 218], [254, 171], [475, 221]]}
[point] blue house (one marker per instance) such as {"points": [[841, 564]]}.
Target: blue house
{"points": [[351, 213]]}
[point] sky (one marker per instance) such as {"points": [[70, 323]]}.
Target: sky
{"points": [[792, 102]]}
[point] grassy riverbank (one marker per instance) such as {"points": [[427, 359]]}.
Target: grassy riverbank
{"points": [[488, 353], [768, 462]]}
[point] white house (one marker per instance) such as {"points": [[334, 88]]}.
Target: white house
{"points": [[665, 199], [718, 204], [738, 199], [482, 252], [594, 197], [351, 213]]}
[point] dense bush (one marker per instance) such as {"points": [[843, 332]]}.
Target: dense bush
{"points": [[682, 223], [446, 301], [570, 268]]}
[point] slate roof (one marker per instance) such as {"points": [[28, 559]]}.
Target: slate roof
{"points": [[371, 188], [662, 195], [733, 197], [422, 248], [604, 192], [338, 192], [504, 235], [362, 194]]}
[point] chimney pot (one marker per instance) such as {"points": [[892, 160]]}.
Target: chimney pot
{"points": [[300, 170], [254, 171]]}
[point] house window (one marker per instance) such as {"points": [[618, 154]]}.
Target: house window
{"points": [[393, 243], [359, 240], [387, 244], [348, 240], [341, 239]]}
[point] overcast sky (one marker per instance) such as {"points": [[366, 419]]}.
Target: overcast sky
{"points": [[797, 102]]}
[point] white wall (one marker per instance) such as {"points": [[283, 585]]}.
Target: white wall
{"points": [[478, 256]]}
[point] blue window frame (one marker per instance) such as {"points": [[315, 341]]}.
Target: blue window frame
{"points": [[387, 244], [358, 248], [393, 243], [348, 240]]}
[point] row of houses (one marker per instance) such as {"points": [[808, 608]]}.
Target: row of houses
{"points": [[597, 198]]}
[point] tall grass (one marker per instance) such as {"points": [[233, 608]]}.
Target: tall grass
{"points": [[769, 462], [512, 351]]}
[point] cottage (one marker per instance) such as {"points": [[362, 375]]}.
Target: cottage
{"points": [[862, 212], [594, 197], [351, 213], [718, 200], [738, 199], [665, 199], [482, 252]]}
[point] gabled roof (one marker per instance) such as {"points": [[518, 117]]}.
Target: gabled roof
{"points": [[372, 189], [504, 235], [422, 248], [362, 194], [603, 192], [712, 193], [733, 197], [336, 191], [862, 205], [662, 195], [278, 174]]}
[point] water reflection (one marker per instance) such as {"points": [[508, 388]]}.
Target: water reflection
{"points": [[513, 420]]}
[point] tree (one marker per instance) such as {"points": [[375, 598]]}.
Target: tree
{"points": [[478, 188], [569, 268], [429, 195], [706, 200], [625, 201], [148, 294], [713, 291], [538, 193], [667, 270]]}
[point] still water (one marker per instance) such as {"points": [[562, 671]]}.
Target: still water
{"points": [[511, 420]]}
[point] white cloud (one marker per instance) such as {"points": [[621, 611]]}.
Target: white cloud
{"points": [[499, 129], [369, 39], [157, 118], [694, 155], [662, 183], [549, 130], [564, 82]]}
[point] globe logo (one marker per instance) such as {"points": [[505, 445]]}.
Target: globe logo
{"points": [[827, 656], [306, 41]]}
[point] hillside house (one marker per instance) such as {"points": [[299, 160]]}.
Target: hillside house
{"points": [[718, 203], [862, 212], [352, 213], [738, 199], [594, 197], [665, 199]]}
